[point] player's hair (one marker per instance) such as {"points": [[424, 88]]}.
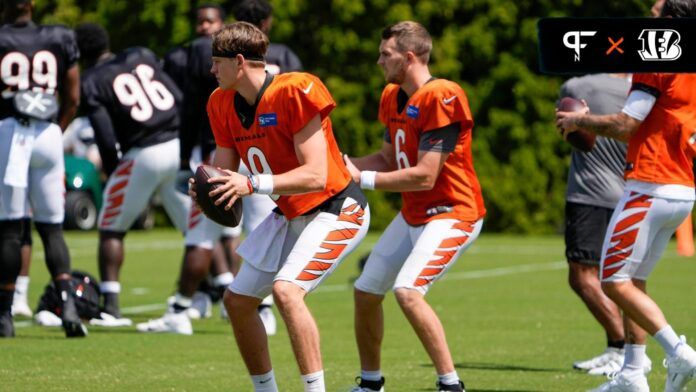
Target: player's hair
{"points": [[92, 40], [679, 8], [240, 38], [218, 7], [253, 11], [16, 7], [410, 37]]}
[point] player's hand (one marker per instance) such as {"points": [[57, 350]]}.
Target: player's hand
{"points": [[566, 122], [354, 171], [182, 180], [234, 186]]}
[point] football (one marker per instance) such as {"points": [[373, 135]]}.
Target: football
{"points": [[206, 203], [580, 139]]}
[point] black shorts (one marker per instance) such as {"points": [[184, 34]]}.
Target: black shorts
{"points": [[584, 232]]}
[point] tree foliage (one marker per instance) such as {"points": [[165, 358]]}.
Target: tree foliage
{"points": [[488, 46]]}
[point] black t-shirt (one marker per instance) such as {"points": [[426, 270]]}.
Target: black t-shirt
{"points": [[33, 57], [200, 83], [281, 59], [175, 64], [139, 98]]}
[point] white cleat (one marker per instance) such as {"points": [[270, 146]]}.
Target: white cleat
{"points": [[268, 319], [45, 318], [611, 354], [368, 386], [20, 307], [107, 320], [171, 323], [681, 368], [621, 382], [201, 306], [615, 367]]}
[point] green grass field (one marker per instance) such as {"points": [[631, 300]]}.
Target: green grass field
{"points": [[512, 324]]}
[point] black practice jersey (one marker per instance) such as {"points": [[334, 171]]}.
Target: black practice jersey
{"points": [[281, 59], [139, 98], [33, 57], [200, 83], [175, 64]]}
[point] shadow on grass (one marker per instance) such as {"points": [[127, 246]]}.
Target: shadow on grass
{"points": [[499, 366]]}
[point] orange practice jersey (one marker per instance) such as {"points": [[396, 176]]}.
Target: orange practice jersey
{"points": [[663, 149], [436, 104], [288, 104]]}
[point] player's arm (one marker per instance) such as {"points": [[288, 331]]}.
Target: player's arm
{"points": [[69, 96], [620, 126], [382, 160], [420, 177], [434, 149], [310, 176], [105, 137]]}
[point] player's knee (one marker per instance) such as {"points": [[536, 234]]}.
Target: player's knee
{"points": [[613, 290], [237, 304], [106, 235], [286, 295], [364, 299], [407, 298]]}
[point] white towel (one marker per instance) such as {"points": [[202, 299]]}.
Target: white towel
{"points": [[263, 247], [17, 171]]}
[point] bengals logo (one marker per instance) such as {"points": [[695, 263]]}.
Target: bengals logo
{"points": [[660, 45]]}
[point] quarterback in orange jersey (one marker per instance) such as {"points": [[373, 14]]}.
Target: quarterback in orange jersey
{"points": [[659, 123], [426, 156], [280, 128]]}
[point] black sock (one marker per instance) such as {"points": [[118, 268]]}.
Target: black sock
{"points": [[6, 297], [111, 304], [616, 344]]}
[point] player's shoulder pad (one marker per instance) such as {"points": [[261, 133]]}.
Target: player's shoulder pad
{"points": [[291, 83], [140, 51]]}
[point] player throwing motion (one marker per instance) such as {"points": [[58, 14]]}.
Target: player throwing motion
{"points": [[131, 104], [659, 124], [426, 156], [280, 128], [36, 62]]}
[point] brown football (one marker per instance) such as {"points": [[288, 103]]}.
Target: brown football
{"points": [[580, 139], [206, 203]]}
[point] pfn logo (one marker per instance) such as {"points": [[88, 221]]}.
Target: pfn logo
{"points": [[660, 45], [571, 40]]}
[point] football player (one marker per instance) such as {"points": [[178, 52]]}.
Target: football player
{"points": [[425, 156], [659, 125], [131, 104], [36, 64], [279, 126]]}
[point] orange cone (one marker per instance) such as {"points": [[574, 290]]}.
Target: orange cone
{"points": [[685, 238]]}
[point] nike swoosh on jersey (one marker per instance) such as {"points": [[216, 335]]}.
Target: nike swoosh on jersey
{"points": [[446, 101], [306, 90]]}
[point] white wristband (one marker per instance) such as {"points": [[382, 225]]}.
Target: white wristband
{"points": [[265, 184], [367, 179]]}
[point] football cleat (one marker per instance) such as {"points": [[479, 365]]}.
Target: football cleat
{"points": [[681, 368], [268, 319], [6, 325], [20, 306], [171, 323], [107, 320], [615, 367], [201, 306], [368, 386], [623, 382], [458, 387], [611, 354]]}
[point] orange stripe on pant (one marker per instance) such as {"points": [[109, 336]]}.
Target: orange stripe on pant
{"points": [[335, 243], [623, 239], [444, 254]]}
